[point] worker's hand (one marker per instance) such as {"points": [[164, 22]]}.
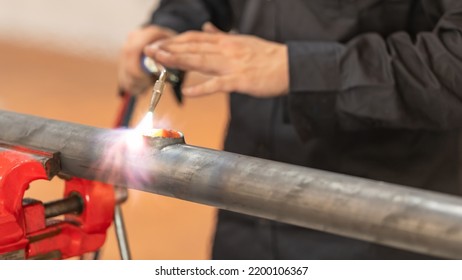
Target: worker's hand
{"points": [[240, 63], [132, 78]]}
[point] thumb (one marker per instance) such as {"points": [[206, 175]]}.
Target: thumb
{"points": [[210, 28]]}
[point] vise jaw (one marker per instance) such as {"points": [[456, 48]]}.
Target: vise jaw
{"points": [[30, 229]]}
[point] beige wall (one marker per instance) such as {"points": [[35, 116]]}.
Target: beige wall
{"points": [[84, 27], [43, 78]]}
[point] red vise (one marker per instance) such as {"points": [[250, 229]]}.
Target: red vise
{"points": [[25, 230]]}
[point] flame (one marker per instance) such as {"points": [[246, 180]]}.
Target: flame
{"points": [[134, 140], [146, 127], [147, 123], [134, 137], [128, 145]]}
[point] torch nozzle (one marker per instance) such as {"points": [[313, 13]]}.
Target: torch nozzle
{"points": [[157, 90]]}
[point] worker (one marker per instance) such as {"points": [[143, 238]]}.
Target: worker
{"points": [[369, 88]]}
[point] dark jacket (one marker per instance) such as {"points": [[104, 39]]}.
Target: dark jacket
{"points": [[375, 92]]}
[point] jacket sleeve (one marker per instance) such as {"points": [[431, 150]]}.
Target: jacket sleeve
{"points": [[183, 15], [375, 82]]}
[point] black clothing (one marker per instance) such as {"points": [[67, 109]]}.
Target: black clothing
{"points": [[375, 92]]}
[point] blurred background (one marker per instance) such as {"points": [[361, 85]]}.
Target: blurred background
{"points": [[58, 59]]}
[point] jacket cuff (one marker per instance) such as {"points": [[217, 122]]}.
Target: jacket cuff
{"points": [[314, 73], [314, 66]]}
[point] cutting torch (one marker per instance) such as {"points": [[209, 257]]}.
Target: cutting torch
{"points": [[157, 90], [173, 76]]}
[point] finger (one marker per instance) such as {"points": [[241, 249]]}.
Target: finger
{"points": [[132, 66], [130, 78], [138, 86], [210, 28], [151, 49], [195, 36], [133, 86], [193, 47], [132, 62], [125, 79], [205, 63], [133, 48], [214, 85]]}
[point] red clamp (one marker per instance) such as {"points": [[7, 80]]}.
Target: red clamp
{"points": [[29, 229]]}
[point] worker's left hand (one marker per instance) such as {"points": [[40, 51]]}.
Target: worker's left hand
{"points": [[239, 63]]}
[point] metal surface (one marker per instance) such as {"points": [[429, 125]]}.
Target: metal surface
{"points": [[14, 255], [121, 234], [174, 76], [72, 204], [157, 90], [121, 195], [402, 217]]}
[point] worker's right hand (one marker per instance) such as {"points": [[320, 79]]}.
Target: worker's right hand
{"points": [[132, 79]]}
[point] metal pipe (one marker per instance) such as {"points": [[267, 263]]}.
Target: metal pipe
{"points": [[401, 217]]}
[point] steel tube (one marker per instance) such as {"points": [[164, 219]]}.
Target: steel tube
{"points": [[398, 216]]}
